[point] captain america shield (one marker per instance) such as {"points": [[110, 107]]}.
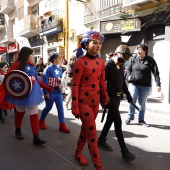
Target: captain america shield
{"points": [[17, 84]]}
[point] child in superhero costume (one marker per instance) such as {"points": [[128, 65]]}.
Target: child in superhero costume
{"points": [[88, 80], [52, 77], [32, 100], [4, 106]]}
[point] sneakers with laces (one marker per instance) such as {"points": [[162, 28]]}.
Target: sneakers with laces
{"points": [[143, 123], [128, 121], [103, 144], [127, 156]]}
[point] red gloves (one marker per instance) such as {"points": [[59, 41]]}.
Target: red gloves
{"points": [[76, 111], [50, 89]]}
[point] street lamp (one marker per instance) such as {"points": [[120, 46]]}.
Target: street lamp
{"points": [[125, 38]]}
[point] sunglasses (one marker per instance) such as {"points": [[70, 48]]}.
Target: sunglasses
{"points": [[120, 60], [72, 59], [126, 55]]}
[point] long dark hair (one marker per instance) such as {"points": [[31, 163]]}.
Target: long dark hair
{"points": [[23, 57]]}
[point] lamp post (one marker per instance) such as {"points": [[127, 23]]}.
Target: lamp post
{"points": [[66, 29]]}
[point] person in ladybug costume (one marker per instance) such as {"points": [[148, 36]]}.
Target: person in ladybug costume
{"points": [[88, 81], [31, 101]]}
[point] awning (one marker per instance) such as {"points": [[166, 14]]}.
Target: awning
{"points": [[52, 31], [2, 49]]}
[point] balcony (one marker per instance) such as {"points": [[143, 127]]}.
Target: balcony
{"points": [[28, 26], [32, 3], [50, 25], [7, 6], [8, 39]]}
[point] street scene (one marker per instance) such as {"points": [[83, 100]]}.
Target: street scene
{"points": [[84, 85], [150, 144]]}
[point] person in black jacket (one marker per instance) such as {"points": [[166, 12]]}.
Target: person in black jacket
{"points": [[115, 85], [140, 69], [40, 67]]}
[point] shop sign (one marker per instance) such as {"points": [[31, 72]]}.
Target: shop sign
{"points": [[2, 49], [11, 48], [120, 26]]}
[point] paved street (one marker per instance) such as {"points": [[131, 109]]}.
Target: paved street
{"points": [[152, 145]]}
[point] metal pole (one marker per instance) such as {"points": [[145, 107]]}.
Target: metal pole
{"points": [[66, 29]]}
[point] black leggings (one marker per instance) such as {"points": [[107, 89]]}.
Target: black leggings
{"points": [[114, 116]]}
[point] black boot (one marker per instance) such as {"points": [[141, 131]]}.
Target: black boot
{"points": [[38, 141], [18, 134], [102, 139], [127, 156], [2, 120], [103, 144]]}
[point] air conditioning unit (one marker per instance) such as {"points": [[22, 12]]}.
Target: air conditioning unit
{"points": [[54, 21], [44, 24]]}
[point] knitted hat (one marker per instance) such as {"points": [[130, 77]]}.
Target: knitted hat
{"points": [[2, 64], [123, 49], [90, 35]]}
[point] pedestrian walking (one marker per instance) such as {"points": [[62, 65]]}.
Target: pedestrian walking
{"points": [[3, 105], [139, 77], [88, 80], [115, 84], [40, 67], [31, 101], [69, 70], [52, 77]]}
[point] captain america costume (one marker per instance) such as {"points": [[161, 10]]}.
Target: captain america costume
{"points": [[50, 78]]}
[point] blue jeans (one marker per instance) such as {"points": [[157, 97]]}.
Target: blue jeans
{"points": [[139, 93]]}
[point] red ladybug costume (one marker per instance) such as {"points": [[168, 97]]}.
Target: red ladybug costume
{"points": [[88, 81]]}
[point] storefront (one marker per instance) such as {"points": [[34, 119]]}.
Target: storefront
{"points": [[112, 31], [12, 52], [155, 32]]}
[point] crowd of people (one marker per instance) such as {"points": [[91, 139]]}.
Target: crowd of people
{"points": [[89, 81]]}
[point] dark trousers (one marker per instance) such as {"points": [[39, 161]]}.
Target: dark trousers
{"points": [[114, 116]]}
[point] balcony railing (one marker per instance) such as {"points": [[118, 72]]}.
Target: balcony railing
{"points": [[96, 10], [7, 6], [99, 15], [28, 26], [51, 20]]}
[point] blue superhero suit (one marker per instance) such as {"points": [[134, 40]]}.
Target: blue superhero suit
{"points": [[51, 76]]}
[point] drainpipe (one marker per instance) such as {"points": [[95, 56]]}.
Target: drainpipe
{"points": [[66, 29]]}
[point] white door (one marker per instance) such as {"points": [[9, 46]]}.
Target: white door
{"points": [[156, 51]]}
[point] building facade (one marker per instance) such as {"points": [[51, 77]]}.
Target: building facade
{"points": [[58, 25], [132, 23]]}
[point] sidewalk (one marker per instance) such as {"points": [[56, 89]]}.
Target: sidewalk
{"points": [[152, 107]]}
